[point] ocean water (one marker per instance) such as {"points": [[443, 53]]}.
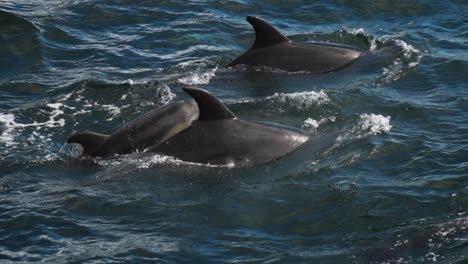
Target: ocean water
{"points": [[392, 187]]}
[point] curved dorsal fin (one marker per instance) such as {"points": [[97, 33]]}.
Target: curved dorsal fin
{"points": [[209, 107], [265, 34]]}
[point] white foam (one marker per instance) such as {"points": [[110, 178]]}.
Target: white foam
{"points": [[368, 124], [199, 78], [55, 106], [363, 32], [156, 159], [410, 58], [161, 159], [359, 31], [187, 64], [376, 124], [7, 135], [311, 125], [81, 112], [113, 110], [301, 100], [166, 94], [11, 126], [407, 48], [410, 52], [55, 113]]}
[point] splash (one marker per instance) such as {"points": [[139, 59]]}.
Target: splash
{"points": [[311, 125], [403, 55], [201, 72], [300, 100], [409, 52], [8, 136], [199, 78], [360, 32], [375, 124], [368, 125], [166, 94]]}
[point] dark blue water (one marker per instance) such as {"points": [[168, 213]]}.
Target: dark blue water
{"points": [[392, 188]]}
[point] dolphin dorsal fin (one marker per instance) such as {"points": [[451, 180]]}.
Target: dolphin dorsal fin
{"points": [[209, 107], [265, 34]]}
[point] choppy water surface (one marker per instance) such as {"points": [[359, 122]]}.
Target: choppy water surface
{"points": [[392, 188]]}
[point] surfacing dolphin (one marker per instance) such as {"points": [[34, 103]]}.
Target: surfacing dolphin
{"points": [[273, 49], [219, 137], [201, 131], [145, 131]]}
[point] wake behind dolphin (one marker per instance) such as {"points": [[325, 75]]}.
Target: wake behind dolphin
{"points": [[273, 49], [202, 130]]}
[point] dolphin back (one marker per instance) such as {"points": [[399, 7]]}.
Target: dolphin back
{"points": [[219, 137], [272, 49]]}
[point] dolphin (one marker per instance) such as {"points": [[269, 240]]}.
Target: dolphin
{"points": [[218, 137], [274, 50], [145, 131], [202, 130]]}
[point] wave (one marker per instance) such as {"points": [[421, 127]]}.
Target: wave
{"points": [[389, 54], [392, 55]]}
